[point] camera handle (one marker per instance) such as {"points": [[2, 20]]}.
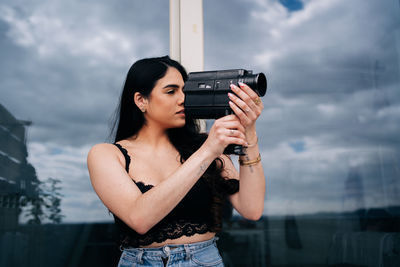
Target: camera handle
{"points": [[233, 148]]}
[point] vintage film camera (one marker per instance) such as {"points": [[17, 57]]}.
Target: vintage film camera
{"points": [[206, 94]]}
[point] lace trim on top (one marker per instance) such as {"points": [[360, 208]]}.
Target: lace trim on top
{"points": [[162, 232]]}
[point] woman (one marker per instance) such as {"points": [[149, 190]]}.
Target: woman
{"points": [[164, 182]]}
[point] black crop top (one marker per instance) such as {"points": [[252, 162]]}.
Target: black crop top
{"points": [[191, 216]]}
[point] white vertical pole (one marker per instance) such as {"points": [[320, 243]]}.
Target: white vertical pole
{"points": [[187, 36], [192, 41], [186, 33], [175, 30]]}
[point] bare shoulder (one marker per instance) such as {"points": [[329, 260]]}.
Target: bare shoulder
{"points": [[101, 148], [102, 152], [106, 167]]}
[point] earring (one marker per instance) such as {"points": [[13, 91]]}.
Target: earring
{"points": [[143, 110]]}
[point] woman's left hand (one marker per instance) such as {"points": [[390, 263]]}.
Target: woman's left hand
{"points": [[247, 106]]}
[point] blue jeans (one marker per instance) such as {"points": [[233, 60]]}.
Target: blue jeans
{"points": [[203, 253]]}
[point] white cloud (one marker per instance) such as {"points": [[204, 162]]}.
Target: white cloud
{"points": [[51, 36], [322, 29], [20, 33], [328, 109]]}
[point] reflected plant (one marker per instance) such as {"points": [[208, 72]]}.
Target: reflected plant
{"points": [[54, 207], [45, 205]]}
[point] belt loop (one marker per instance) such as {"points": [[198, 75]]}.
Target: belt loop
{"points": [[121, 248], [139, 256], [187, 251]]}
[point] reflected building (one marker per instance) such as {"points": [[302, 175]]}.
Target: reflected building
{"points": [[244, 242], [353, 198], [17, 177]]}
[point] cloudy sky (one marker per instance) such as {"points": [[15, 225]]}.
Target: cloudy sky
{"points": [[329, 132]]}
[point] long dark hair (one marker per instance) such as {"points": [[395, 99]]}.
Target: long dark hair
{"points": [[142, 77]]}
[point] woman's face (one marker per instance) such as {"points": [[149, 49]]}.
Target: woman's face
{"points": [[165, 104]]}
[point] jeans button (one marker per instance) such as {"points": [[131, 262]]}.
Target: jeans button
{"points": [[167, 250]]}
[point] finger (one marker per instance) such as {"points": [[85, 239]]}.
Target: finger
{"points": [[243, 106], [246, 99], [235, 133], [259, 103], [230, 117], [233, 122], [255, 103], [248, 90], [236, 125], [237, 141], [223, 128], [240, 113], [241, 93], [230, 129]]}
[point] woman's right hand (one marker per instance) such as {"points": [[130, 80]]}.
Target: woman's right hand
{"points": [[226, 130]]}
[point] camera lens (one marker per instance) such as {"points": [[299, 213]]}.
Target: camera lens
{"points": [[257, 82]]}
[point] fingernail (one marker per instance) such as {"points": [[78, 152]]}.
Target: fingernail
{"points": [[233, 86], [230, 95], [241, 84]]}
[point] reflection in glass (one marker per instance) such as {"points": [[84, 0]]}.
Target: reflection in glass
{"points": [[31, 216], [329, 133]]}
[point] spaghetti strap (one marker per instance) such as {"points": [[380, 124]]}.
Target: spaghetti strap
{"points": [[126, 156]]}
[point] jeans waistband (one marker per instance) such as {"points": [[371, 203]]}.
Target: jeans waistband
{"points": [[170, 249]]}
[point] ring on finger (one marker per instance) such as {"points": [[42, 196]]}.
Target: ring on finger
{"points": [[232, 132], [257, 101]]}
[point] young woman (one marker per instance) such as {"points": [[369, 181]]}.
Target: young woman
{"points": [[164, 182]]}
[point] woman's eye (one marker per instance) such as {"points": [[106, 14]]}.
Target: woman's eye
{"points": [[170, 92]]}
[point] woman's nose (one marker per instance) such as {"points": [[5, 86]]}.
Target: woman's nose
{"points": [[181, 97]]}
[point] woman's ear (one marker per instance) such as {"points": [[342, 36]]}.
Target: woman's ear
{"points": [[141, 101]]}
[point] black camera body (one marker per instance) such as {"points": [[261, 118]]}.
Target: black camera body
{"points": [[206, 93]]}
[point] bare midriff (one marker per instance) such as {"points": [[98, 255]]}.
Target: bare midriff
{"points": [[183, 240]]}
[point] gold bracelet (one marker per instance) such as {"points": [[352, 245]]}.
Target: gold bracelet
{"points": [[252, 145], [250, 162]]}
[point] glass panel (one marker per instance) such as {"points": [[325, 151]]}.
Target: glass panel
{"points": [[329, 133]]}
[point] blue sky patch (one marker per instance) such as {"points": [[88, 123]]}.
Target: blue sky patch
{"points": [[298, 146], [56, 151], [292, 5]]}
